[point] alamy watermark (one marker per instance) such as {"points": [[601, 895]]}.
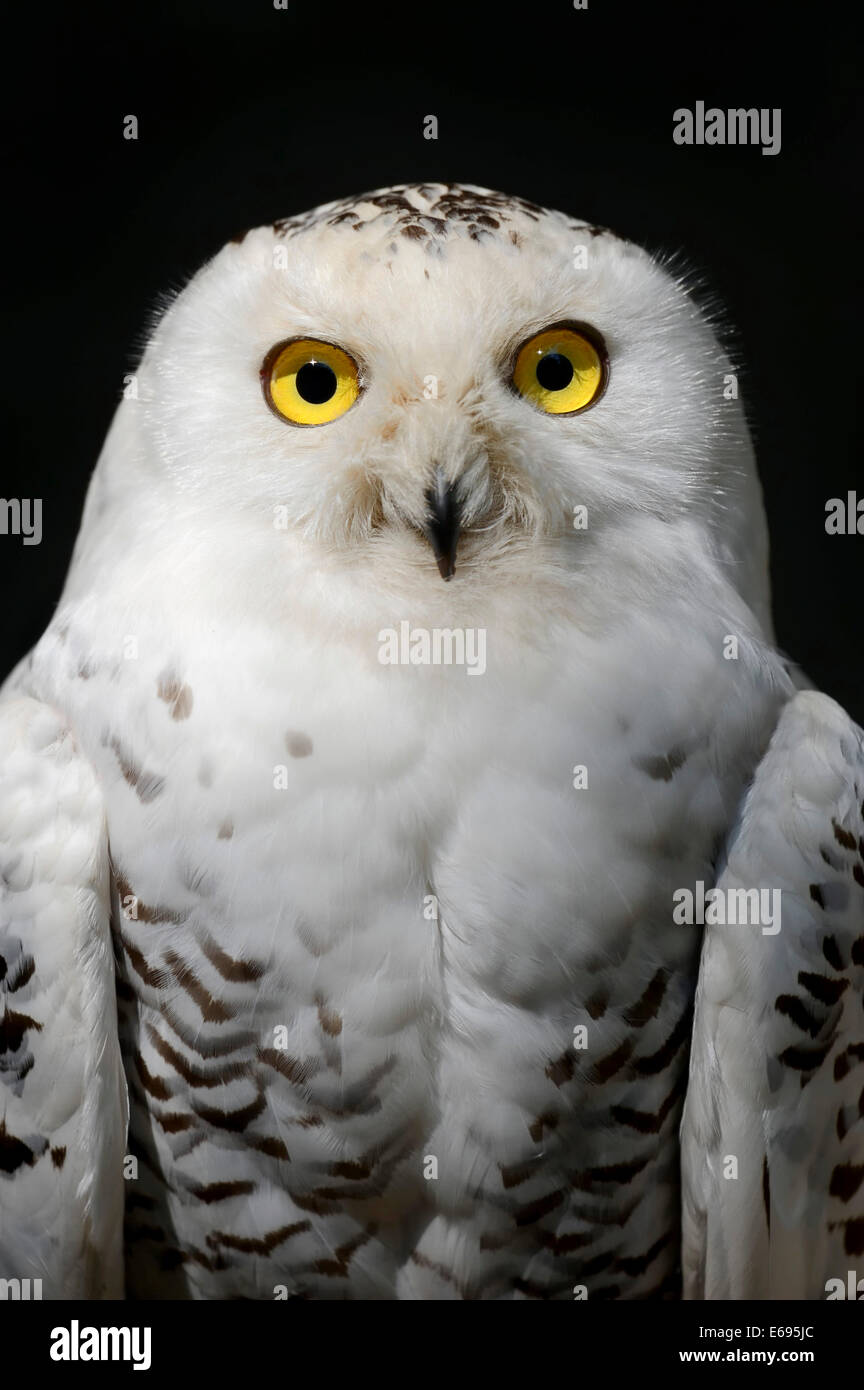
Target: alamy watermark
{"points": [[728, 907], [740, 126], [437, 646], [21, 516]]}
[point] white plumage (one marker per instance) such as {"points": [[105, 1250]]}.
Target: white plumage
{"points": [[361, 912]]}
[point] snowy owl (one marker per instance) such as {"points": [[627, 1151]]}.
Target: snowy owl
{"points": [[423, 877]]}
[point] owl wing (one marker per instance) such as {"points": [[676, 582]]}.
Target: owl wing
{"points": [[63, 1100], [772, 1134]]}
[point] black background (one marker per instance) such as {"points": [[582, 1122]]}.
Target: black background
{"points": [[247, 114]]}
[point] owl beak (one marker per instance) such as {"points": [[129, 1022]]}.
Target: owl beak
{"points": [[442, 523]]}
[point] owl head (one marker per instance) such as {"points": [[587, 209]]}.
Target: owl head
{"points": [[442, 382]]}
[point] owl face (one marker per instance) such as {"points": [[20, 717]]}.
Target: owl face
{"points": [[441, 374]]}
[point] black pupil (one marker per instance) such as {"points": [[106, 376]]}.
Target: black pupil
{"points": [[554, 371], [316, 382]]}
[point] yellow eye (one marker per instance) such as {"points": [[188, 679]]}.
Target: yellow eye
{"points": [[308, 382], [562, 370]]}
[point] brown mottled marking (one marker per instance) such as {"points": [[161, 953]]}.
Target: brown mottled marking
{"points": [[597, 1005], [659, 1060], [825, 990], [801, 1016], [194, 1076], [646, 1007], [58, 1156], [314, 1204], [236, 971], [13, 1027], [443, 1273], [220, 1191], [846, 1180], [156, 979], [844, 1060], [263, 1245], [643, 1120], [831, 952], [494, 1240], [662, 769], [337, 1268], [567, 1243], [608, 1066], [843, 837], [234, 1121], [351, 1169], [390, 429], [14, 1153], [156, 1086], [206, 1047], [146, 785], [175, 694], [330, 1020], [619, 1173], [637, 1264], [548, 1120], [143, 913], [212, 1010], [533, 1211], [174, 1123], [514, 1174], [273, 1148], [804, 1058], [226, 830], [296, 1071], [853, 1238], [20, 974], [561, 1071]]}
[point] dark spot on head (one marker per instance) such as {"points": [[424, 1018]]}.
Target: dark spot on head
{"points": [[226, 830], [662, 769], [58, 1156], [299, 745]]}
